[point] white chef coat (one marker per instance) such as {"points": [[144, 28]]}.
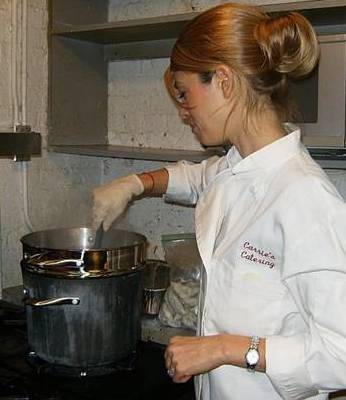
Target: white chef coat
{"points": [[271, 231]]}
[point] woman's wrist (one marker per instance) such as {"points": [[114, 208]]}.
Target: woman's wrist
{"points": [[233, 349], [154, 182]]}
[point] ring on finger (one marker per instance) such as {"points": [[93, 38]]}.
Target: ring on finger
{"points": [[170, 372]]}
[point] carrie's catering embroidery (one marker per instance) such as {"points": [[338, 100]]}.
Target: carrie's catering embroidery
{"points": [[257, 255]]}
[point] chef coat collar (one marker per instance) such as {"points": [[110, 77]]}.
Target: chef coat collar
{"points": [[268, 156]]}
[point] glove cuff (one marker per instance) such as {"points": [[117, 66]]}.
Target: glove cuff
{"points": [[138, 187]]}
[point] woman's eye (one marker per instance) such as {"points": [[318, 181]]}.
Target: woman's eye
{"points": [[181, 96]]}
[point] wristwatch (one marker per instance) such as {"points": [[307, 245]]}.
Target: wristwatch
{"points": [[252, 355]]}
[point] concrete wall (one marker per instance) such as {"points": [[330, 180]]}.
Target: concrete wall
{"points": [[130, 9], [58, 185]]}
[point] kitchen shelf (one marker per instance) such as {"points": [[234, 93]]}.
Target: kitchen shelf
{"points": [[169, 26], [146, 29], [336, 159], [329, 158], [150, 38], [137, 153], [82, 43]]}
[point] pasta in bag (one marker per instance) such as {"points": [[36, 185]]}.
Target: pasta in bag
{"points": [[180, 304]]}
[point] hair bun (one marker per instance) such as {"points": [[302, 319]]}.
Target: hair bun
{"points": [[288, 43]]}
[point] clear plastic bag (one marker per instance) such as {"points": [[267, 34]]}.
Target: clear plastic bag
{"points": [[180, 305], [182, 255]]}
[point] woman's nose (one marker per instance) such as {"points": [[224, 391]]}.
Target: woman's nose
{"points": [[184, 114]]}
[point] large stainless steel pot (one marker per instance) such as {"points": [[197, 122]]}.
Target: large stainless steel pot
{"points": [[83, 303]]}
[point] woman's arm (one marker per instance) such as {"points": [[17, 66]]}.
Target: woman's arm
{"points": [[188, 356], [181, 182], [315, 360]]}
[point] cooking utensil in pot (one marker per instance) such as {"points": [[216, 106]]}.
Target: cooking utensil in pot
{"points": [[98, 237]]}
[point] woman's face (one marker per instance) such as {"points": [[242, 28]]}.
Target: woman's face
{"points": [[203, 106]]}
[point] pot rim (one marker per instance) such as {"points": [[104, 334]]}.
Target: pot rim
{"points": [[25, 240], [65, 253], [78, 273]]}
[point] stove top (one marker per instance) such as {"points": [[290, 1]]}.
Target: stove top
{"points": [[21, 379]]}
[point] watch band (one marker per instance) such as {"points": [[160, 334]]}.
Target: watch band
{"points": [[252, 355], [254, 342]]}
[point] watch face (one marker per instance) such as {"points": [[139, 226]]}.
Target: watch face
{"points": [[252, 357]]}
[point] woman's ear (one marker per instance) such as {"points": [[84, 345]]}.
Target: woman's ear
{"points": [[224, 78]]}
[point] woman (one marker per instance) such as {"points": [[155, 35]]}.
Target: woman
{"points": [[270, 226]]}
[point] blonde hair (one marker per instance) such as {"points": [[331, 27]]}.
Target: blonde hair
{"points": [[263, 51]]}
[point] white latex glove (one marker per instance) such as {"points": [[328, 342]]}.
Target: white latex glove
{"points": [[111, 199]]}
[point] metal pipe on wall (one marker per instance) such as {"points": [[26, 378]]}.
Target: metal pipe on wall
{"points": [[24, 25], [14, 46], [23, 121]]}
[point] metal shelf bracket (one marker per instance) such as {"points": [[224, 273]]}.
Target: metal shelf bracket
{"points": [[21, 144]]}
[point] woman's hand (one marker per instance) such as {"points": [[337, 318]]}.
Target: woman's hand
{"points": [[111, 199], [186, 356]]}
